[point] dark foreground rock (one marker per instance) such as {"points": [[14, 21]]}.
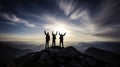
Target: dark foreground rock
{"points": [[59, 57]]}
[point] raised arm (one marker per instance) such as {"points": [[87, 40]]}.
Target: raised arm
{"points": [[59, 33], [52, 32], [56, 32], [64, 34], [45, 32]]}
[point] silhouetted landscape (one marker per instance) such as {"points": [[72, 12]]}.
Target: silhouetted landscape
{"points": [[14, 54], [59, 33]]}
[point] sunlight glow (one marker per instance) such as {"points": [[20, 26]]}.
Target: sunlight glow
{"points": [[60, 29]]}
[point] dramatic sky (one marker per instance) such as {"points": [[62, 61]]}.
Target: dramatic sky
{"points": [[82, 20]]}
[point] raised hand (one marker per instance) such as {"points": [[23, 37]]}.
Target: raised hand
{"points": [[45, 32], [65, 33], [52, 32]]}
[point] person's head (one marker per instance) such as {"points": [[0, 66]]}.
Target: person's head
{"points": [[60, 33], [47, 33]]}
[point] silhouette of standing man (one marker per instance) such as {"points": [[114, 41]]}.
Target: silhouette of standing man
{"points": [[61, 39], [53, 39], [47, 39]]}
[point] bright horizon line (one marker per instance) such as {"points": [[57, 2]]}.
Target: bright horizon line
{"points": [[41, 38]]}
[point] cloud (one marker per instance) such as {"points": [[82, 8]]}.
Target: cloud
{"points": [[73, 29], [72, 8], [78, 15], [16, 20], [97, 18], [67, 6], [107, 20], [104, 22]]}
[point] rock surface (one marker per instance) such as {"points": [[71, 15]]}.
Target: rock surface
{"points": [[59, 57]]}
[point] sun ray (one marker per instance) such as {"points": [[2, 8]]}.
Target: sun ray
{"points": [[61, 29]]}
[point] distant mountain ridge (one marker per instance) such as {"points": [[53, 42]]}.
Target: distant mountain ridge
{"points": [[59, 57], [103, 54], [8, 53]]}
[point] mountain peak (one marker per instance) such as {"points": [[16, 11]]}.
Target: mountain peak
{"points": [[57, 57]]}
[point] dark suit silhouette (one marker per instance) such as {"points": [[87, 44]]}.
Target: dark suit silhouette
{"points": [[53, 39], [47, 39], [61, 39]]}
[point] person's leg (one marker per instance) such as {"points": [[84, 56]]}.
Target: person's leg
{"points": [[62, 44], [54, 43], [46, 44]]}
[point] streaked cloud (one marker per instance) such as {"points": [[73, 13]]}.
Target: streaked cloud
{"points": [[72, 28], [72, 8], [107, 20], [67, 6], [16, 20], [83, 19], [78, 15]]}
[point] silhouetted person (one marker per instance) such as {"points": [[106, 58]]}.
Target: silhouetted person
{"points": [[47, 39], [53, 39], [61, 39]]}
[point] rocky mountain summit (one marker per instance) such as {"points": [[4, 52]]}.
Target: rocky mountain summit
{"points": [[59, 57]]}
